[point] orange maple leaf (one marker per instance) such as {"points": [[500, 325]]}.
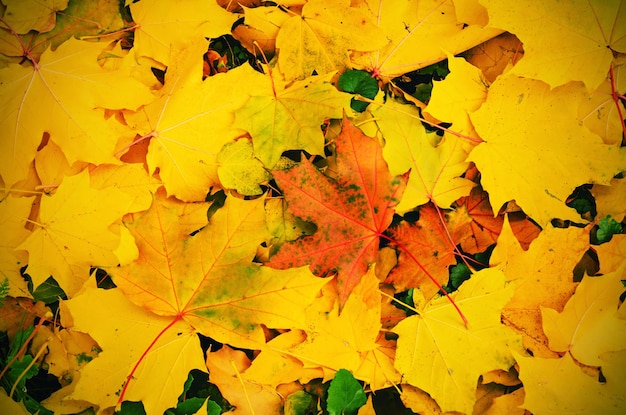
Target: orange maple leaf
{"points": [[351, 211]]}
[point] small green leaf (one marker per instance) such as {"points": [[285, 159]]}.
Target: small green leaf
{"points": [[607, 227], [132, 408], [458, 274], [212, 408], [345, 394], [358, 82], [298, 403]]}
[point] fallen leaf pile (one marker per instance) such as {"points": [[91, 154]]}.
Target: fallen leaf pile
{"points": [[160, 193]]}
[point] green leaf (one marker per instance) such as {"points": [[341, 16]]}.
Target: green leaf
{"points": [[4, 290], [345, 395], [49, 291], [607, 227], [458, 274], [298, 403], [238, 168], [212, 408], [132, 408], [359, 82]]}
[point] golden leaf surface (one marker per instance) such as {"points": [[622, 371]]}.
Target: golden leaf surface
{"points": [[70, 84], [428, 346], [209, 280], [575, 40], [73, 232], [420, 33], [436, 166], [134, 342], [531, 135], [320, 39], [589, 324], [557, 386], [542, 276]]}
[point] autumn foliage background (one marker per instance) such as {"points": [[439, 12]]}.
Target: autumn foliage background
{"points": [[269, 193]]}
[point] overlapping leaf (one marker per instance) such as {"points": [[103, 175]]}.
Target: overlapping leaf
{"points": [[435, 166], [319, 40], [420, 33], [209, 278], [350, 211], [281, 116], [70, 84], [575, 39], [188, 123], [532, 135], [428, 346]]}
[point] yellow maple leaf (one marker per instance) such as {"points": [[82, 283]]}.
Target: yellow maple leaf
{"points": [[612, 254], [563, 41], [319, 40], [238, 168], [436, 166], [420, 33], [26, 15], [462, 92], [209, 280], [189, 123], [281, 116], [609, 199], [599, 112], [134, 342], [331, 341], [13, 214], [59, 95], [589, 324], [72, 232], [532, 136], [542, 277], [557, 386], [161, 27], [428, 345], [248, 398]]}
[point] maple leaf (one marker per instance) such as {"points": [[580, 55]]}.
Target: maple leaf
{"points": [[436, 166], [433, 243], [248, 398], [27, 15], [543, 277], [350, 211], [70, 117], [189, 123], [574, 40], [462, 92], [13, 214], [77, 19], [282, 116], [608, 199], [514, 122], [332, 341], [208, 279], [319, 40], [161, 27], [127, 334], [612, 254], [72, 232], [420, 33], [557, 386], [428, 345], [600, 113], [589, 324], [238, 168]]}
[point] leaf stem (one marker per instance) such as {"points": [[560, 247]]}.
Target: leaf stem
{"points": [[616, 98]]}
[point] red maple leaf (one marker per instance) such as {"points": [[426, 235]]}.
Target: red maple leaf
{"points": [[351, 210]]}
